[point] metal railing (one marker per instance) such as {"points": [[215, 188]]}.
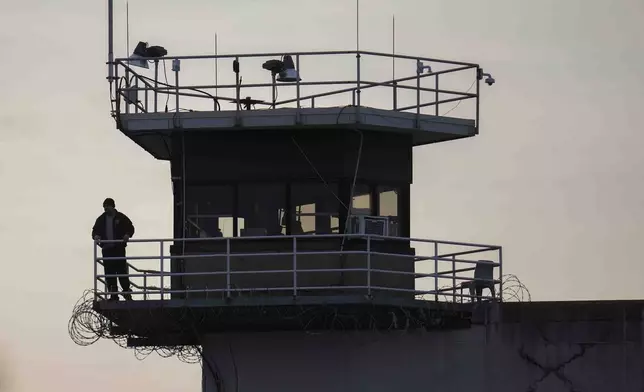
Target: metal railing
{"points": [[440, 274], [324, 79]]}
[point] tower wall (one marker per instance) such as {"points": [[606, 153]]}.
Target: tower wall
{"points": [[587, 354], [264, 183]]}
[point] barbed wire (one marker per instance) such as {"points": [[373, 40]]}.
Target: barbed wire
{"points": [[86, 327]]}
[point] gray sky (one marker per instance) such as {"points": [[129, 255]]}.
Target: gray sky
{"points": [[554, 176]]}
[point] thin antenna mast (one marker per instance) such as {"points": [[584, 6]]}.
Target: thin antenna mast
{"points": [[127, 28], [216, 68], [110, 45], [393, 47], [357, 25]]}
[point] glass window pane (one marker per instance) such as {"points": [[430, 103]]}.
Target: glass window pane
{"points": [[261, 206], [388, 206], [388, 201], [361, 200], [315, 210], [209, 211]]}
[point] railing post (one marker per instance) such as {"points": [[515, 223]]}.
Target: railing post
{"points": [[297, 67], [161, 263], [95, 270], [128, 93], [500, 274], [418, 72], [454, 278], [294, 266], [436, 271], [228, 267], [156, 86], [176, 66], [395, 89], [145, 285], [369, 265], [358, 85], [436, 95]]}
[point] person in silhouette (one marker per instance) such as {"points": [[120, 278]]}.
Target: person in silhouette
{"points": [[113, 225]]}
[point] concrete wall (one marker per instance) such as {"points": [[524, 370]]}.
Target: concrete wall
{"points": [[587, 354]]}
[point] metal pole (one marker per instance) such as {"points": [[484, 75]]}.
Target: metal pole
{"points": [[228, 267], [369, 266], [110, 45], [478, 86], [358, 88], [95, 270], [436, 271], [161, 257], [437, 104], [294, 266], [418, 72], [297, 66], [176, 78], [156, 85], [500, 274], [454, 279]]}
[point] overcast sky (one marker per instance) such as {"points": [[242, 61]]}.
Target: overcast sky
{"points": [[554, 177]]}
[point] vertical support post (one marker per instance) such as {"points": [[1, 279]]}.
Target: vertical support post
{"points": [[369, 266], [145, 285], [418, 72], [95, 270], [161, 269], [436, 95], [297, 66], [436, 271], [358, 85], [454, 279], [313, 102], [395, 95], [500, 274], [237, 91], [294, 266], [175, 65], [110, 46], [128, 94], [136, 93], [228, 267], [156, 85], [478, 86], [147, 103]]}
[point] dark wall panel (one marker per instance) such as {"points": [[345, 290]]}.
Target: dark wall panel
{"points": [[252, 156]]}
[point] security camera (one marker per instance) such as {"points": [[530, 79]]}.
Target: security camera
{"points": [[489, 80]]}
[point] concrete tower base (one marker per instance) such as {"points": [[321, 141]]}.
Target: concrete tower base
{"points": [[531, 347]]}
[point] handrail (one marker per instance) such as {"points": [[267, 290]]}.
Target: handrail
{"points": [[419, 70], [380, 263]]}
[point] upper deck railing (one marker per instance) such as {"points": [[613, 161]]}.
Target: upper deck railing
{"points": [[328, 79], [442, 270]]}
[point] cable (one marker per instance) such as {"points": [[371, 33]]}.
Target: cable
{"points": [[459, 102], [324, 181], [165, 73]]}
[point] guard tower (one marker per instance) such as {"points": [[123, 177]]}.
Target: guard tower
{"points": [[292, 195]]}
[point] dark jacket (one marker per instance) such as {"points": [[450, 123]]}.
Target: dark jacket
{"points": [[122, 226]]}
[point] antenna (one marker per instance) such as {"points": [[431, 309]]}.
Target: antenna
{"points": [[357, 25], [110, 45], [393, 47], [216, 68], [127, 28]]}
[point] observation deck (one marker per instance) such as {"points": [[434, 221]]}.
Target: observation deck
{"points": [[337, 90], [364, 285]]}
